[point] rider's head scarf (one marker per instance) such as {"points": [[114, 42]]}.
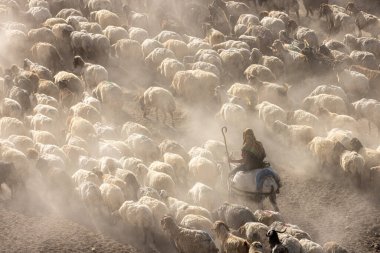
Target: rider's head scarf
{"points": [[250, 144]]}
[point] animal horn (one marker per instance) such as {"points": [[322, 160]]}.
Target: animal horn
{"points": [[306, 43]]}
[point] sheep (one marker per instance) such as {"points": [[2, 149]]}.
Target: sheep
{"points": [[169, 67], [371, 156], [275, 64], [255, 231], [46, 110], [138, 34], [233, 215], [11, 126], [42, 34], [260, 72], [92, 74], [160, 181], [11, 108], [109, 94], [364, 21], [155, 58], [267, 217], [372, 75], [364, 58], [334, 120], [127, 51], [368, 108], [114, 33], [203, 170], [105, 18], [91, 196], [47, 100], [205, 66], [330, 102], [301, 117], [171, 146], [179, 165], [269, 113], [229, 242], [203, 195], [48, 88], [275, 243], [321, 148], [209, 56], [112, 196], [355, 84], [232, 114], [142, 147], [274, 24], [188, 240], [47, 55], [352, 163], [195, 85], [139, 216], [198, 222], [333, 247], [22, 143], [85, 111], [256, 247], [337, 19], [310, 247], [159, 99], [371, 45], [330, 90], [133, 127], [22, 97], [69, 82], [44, 137], [217, 149]]}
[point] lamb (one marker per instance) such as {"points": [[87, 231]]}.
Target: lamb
{"points": [[233, 215], [188, 240], [159, 99], [229, 242], [112, 196], [310, 247], [139, 216], [92, 74]]}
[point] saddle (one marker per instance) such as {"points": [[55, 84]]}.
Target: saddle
{"points": [[251, 181]]}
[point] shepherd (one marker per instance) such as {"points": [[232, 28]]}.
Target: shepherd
{"points": [[253, 155]]}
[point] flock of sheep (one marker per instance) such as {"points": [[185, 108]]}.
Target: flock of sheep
{"points": [[63, 67]]}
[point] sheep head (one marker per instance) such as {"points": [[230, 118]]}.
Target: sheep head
{"points": [[338, 149], [78, 62], [279, 127], [356, 145], [273, 238], [168, 224], [352, 8], [256, 247], [221, 229]]}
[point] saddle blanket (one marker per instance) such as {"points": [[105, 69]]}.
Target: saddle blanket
{"points": [[251, 180]]}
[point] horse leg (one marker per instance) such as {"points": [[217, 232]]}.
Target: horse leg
{"points": [[273, 201], [261, 203]]}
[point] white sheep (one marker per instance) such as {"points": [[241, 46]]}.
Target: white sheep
{"points": [[81, 176], [310, 247], [159, 99], [169, 67], [232, 114], [10, 126], [330, 102], [160, 181], [203, 170], [179, 166], [142, 146], [92, 74], [354, 83], [269, 113], [112, 196], [138, 34], [203, 195]]}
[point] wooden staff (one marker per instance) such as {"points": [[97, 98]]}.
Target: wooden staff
{"points": [[224, 130]]}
